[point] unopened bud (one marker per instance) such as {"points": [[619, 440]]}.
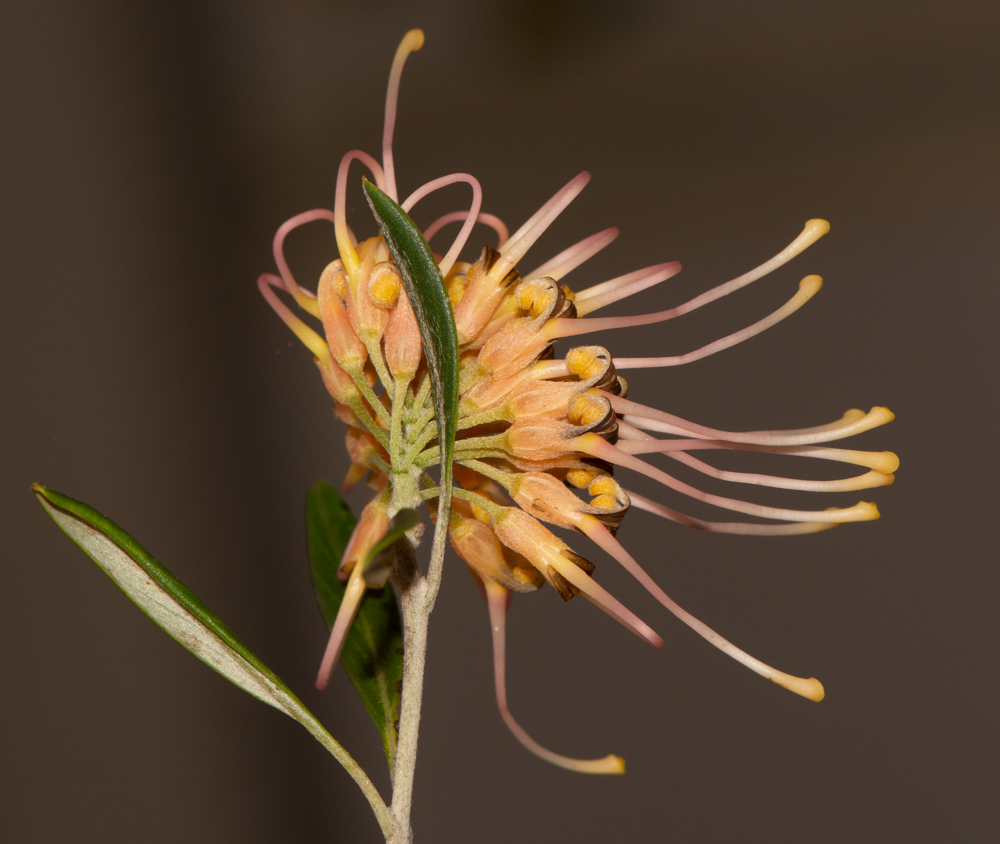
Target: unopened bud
{"points": [[539, 546], [547, 498], [479, 547], [371, 527], [512, 349], [540, 438], [367, 317], [403, 346], [344, 344], [384, 285], [481, 297]]}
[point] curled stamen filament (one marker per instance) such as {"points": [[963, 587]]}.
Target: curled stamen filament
{"points": [[304, 299], [446, 263], [497, 598], [312, 341], [810, 688], [652, 419], [490, 220], [571, 258], [412, 41], [595, 446], [623, 287], [808, 287], [741, 528], [353, 594], [524, 238], [348, 254]]}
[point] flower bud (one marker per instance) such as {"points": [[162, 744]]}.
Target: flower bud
{"points": [[361, 445], [346, 348], [371, 527], [542, 398], [385, 285], [490, 392], [403, 346], [540, 547], [481, 297], [476, 543], [337, 382], [367, 317], [547, 498], [540, 438], [512, 349]]}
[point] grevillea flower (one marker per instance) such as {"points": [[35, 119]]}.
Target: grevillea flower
{"points": [[540, 435]]}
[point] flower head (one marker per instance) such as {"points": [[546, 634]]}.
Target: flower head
{"points": [[540, 434]]}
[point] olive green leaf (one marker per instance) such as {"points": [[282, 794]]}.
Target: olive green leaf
{"points": [[176, 609], [373, 650], [431, 305]]}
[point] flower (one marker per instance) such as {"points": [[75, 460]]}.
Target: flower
{"points": [[539, 437]]}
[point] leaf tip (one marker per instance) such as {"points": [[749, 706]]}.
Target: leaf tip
{"points": [[371, 189], [41, 492]]}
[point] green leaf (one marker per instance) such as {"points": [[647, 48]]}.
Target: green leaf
{"points": [[373, 650], [176, 609], [431, 305]]}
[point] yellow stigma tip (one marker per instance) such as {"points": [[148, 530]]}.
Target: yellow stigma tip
{"points": [[815, 691], [889, 463], [811, 689], [817, 228], [813, 231], [610, 764], [811, 284], [414, 40]]}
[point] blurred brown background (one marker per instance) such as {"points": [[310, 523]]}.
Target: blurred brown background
{"points": [[150, 151]]}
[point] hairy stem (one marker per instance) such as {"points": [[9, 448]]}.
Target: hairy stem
{"points": [[416, 615], [357, 375], [396, 422], [416, 597]]}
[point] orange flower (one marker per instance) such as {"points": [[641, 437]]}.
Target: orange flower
{"points": [[534, 429]]}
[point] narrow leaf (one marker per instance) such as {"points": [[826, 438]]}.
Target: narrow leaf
{"points": [[176, 609], [429, 299], [373, 651]]}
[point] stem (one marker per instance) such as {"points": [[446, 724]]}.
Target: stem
{"points": [[396, 422], [416, 615], [378, 361], [416, 597], [468, 449], [436, 568], [358, 377], [366, 419], [420, 400]]}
